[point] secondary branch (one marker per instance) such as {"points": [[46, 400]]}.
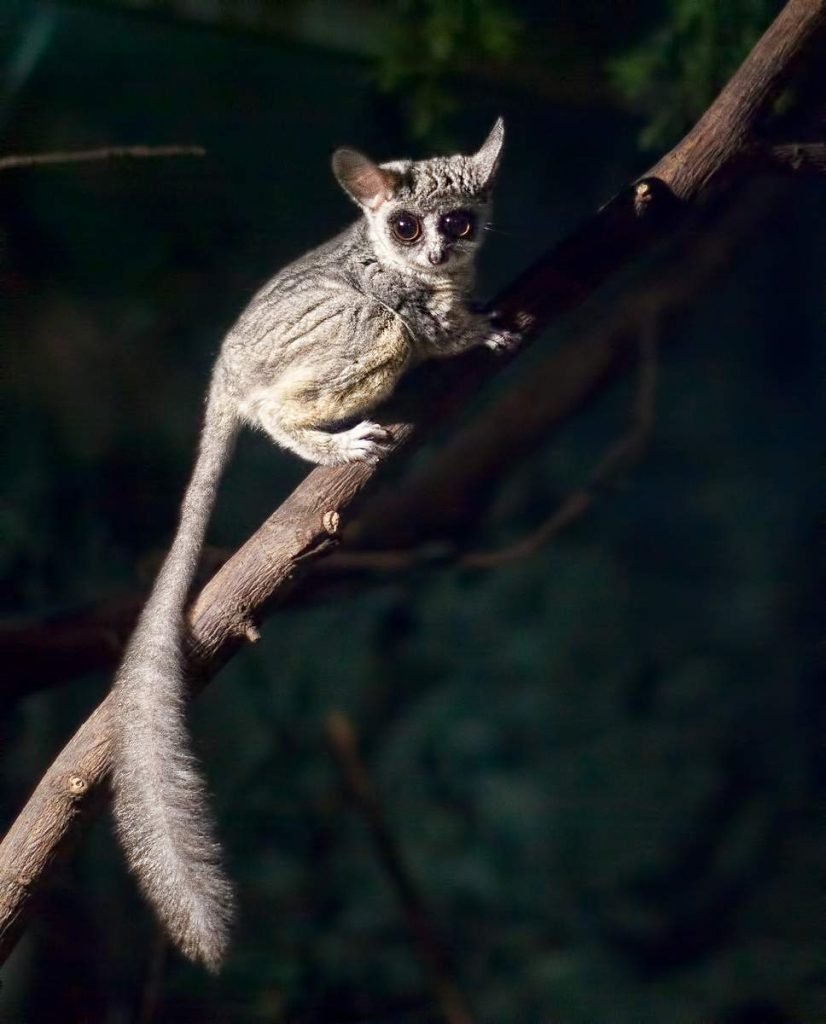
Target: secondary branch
{"points": [[86, 156]]}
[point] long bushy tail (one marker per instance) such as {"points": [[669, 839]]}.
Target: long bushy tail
{"points": [[161, 809]]}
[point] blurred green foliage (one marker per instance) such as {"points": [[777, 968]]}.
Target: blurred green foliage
{"points": [[673, 75], [430, 41], [420, 49]]}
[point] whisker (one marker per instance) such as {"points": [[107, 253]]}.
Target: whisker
{"points": [[494, 230]]}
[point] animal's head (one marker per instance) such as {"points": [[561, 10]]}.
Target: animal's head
{"points": [[426, 217]]}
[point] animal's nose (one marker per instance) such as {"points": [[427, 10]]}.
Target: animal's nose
{"points": [[437, 257]]}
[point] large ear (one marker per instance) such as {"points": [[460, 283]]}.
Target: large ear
{"points": [[364, 181], [487, 159]]}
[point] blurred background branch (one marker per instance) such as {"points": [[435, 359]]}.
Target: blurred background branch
{"points": [[85, 156], [364, 797]]}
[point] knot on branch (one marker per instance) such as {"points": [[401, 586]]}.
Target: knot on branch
{"points": [[77, 786], [642, 197], [244, 627], [331, 521], [651, 197], [17, 883], [250, 631]]}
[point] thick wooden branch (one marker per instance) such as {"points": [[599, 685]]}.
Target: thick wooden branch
{"points": [[458, 483], [308, 523], [454, 488]]}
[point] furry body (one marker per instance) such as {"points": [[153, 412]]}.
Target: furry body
{"points": [[321, 344]]}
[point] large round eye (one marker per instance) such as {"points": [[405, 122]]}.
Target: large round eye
{"points": [[406, 226], [458, 224]]}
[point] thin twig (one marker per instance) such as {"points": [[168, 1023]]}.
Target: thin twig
{"points": [[796, 157], [84, 156], [621, 455], [362, 793]]}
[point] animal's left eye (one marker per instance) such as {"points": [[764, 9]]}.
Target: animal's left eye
{"points": [[458, 224]]}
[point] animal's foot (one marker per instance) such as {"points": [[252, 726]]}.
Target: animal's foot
{"points": [[365, 442]]}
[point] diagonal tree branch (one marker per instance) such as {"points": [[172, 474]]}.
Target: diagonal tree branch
{"points": [[458, 483], [710, 158], [455, 486]]}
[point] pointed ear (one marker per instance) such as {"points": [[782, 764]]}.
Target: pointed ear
{"points": [[364, 181], [487, 159]]}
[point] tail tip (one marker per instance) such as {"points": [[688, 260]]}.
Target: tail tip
{"points": [[205, 939]]}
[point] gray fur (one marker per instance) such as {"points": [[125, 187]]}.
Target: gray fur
{"points": [[321, 344]]}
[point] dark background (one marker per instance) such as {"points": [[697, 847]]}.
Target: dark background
{"points": [[604, 763]]}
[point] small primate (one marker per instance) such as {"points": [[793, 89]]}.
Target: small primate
{"points": [[322, 343]]}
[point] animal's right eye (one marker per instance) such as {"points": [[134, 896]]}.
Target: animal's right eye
{"points": [[406, 226]]}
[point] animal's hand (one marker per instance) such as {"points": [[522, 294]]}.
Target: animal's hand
{"points": [[500, 339]]}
